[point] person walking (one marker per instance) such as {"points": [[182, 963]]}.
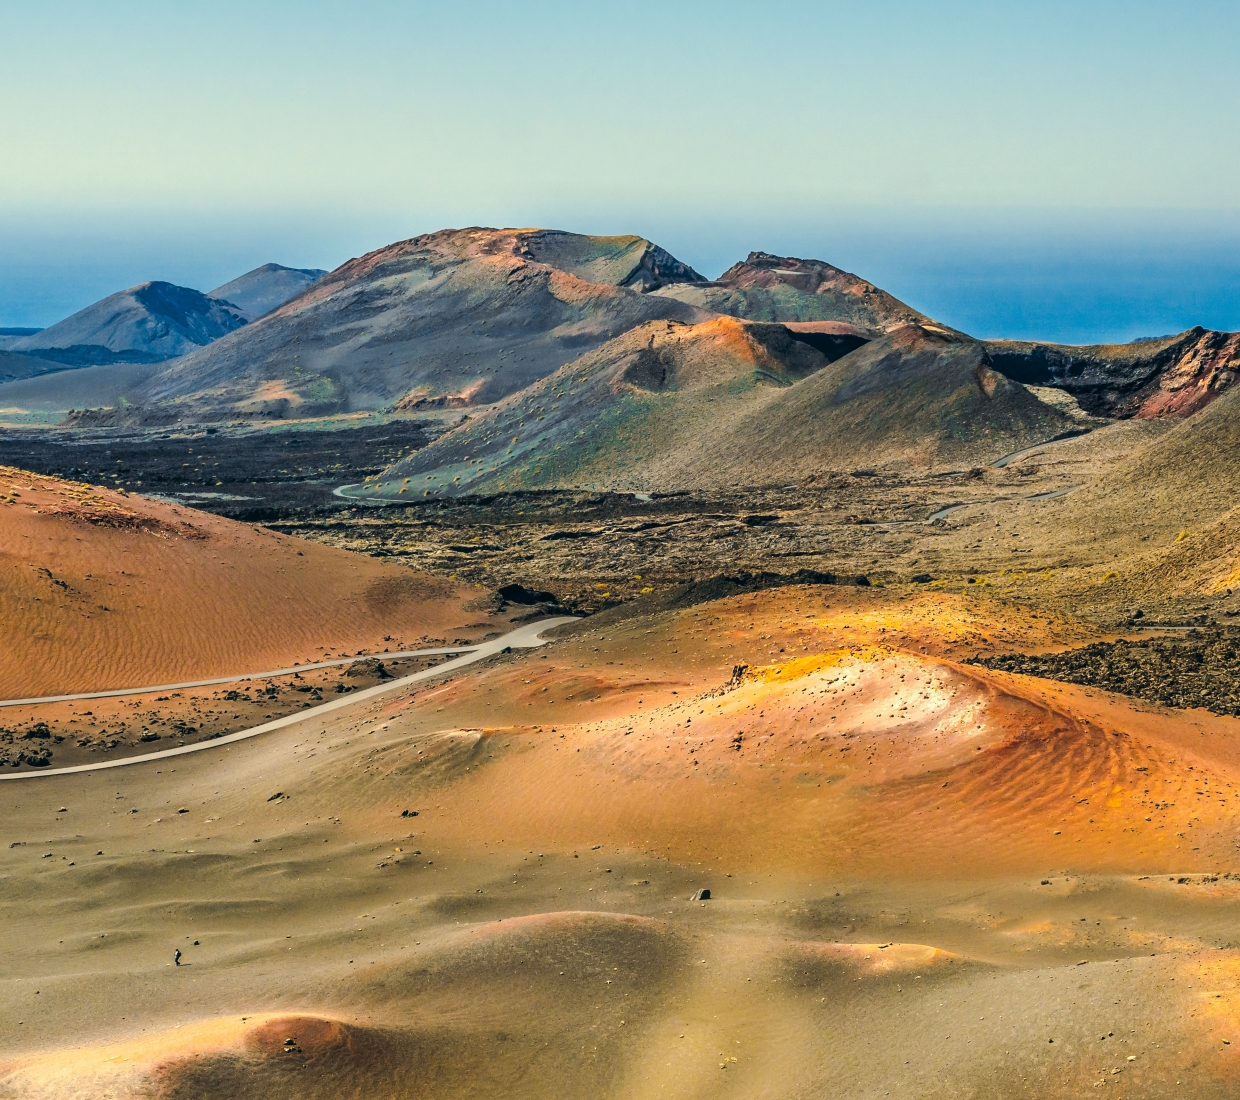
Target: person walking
{"points": [[176, 956]]}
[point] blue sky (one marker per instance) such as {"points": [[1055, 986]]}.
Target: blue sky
{"points": [[1056, 170]]}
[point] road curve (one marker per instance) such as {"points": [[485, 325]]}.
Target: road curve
{"points": [[1062, 437], [525, 637], [235, 679]]}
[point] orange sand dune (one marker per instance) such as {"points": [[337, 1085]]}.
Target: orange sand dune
{"points": [[101, 590], [855, 762]]}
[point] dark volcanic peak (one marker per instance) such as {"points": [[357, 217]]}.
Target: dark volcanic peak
{"points": [[265, 288], [784, 288], [461, 316], [1171, 376], [154, 321]]}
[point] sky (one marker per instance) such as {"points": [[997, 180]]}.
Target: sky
{"points": [[1062, 171]]}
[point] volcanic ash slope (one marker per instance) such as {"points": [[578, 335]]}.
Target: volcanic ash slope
{"points": [[926, 880], [725, 403]]}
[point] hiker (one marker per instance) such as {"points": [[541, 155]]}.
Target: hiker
{"points": [[176, 957]]}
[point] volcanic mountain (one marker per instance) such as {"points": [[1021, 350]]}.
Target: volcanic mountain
{"points": [[784, 288], [726, 402], [455, 317], [9, 336], [1173, 500], [258, 292], [143, 324]]}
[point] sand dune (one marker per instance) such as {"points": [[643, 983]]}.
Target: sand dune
{"points": [[108, 590]]}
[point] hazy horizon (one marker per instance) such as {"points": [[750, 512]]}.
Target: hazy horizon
{"points": [[1066, 276], [1061, 173]]}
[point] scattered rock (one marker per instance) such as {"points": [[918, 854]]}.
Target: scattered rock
{"points": [[371, 666], [1200, 669]]}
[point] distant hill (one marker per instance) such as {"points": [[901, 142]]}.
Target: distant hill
{"points": [[1184, 479], [9, 335], [1172, 376], [783, 288], [258, 292], [145, 323], [727, 403], [459, 316], [15, 366]]}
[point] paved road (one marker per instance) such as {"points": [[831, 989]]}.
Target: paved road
{"points": [[234, 679], [1063, 437], [525, 637]]}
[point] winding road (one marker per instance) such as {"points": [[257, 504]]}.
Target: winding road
{"points": [[525, 637]]}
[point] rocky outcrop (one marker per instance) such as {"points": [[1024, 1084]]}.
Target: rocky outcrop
{"points": [[1173, 376]]}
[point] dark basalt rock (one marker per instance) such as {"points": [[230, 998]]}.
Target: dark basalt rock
{"points": [[518, 593]]}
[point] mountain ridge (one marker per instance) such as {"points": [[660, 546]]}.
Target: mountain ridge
{"points": [[473, 314], [1167, 376]]}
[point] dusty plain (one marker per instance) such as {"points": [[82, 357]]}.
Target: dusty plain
{"points": [[927, 878]]}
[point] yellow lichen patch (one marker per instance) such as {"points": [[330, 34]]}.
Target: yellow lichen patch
{"points": [[808, 666]]}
